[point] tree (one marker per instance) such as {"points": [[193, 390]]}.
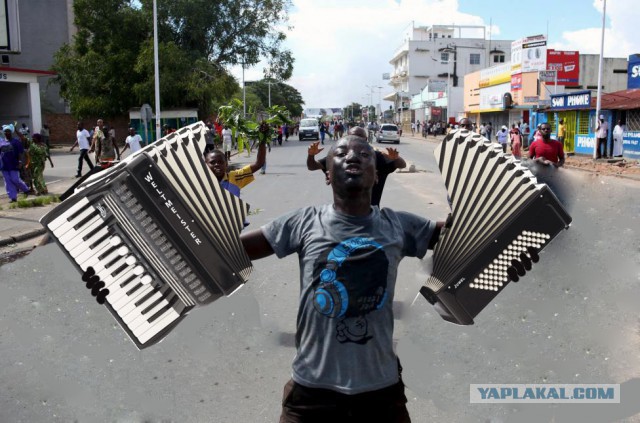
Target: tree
{"points": [[230, 32], [108, 67], [281, 94]]}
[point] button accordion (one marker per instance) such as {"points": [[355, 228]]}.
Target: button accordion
{"points": [[158, 232], [501, 219]]}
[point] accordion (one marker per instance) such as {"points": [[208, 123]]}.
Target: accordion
{"points": [[158, 232], [501, 219]]}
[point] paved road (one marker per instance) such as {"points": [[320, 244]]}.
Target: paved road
{"points": [[573, 320]]}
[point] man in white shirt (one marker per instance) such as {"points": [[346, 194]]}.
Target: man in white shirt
{"points": [[602, 132], [133, 141], [82, 141]]}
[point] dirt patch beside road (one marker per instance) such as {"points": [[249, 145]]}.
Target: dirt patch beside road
{"points": [[611, 167]]}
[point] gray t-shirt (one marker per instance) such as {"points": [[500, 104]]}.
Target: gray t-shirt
{"points": [[348, 268]]}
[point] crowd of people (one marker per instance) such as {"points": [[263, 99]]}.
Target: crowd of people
{"points": [[23, 158]]}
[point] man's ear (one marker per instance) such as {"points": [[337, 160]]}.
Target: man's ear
{"points": [[327, 178]]}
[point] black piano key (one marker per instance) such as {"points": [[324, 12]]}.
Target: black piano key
{"points": [[86, 220], [109, 251], [112, 262], [78, 212], [135, 288], [119, 269], [163, 310], [94, 231], [145, 298], [100, 240], [128, 281], [156, 302]]}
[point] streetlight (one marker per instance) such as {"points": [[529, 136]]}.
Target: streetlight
{"points": [[596, 147]]}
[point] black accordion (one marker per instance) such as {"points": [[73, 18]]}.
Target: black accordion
{"points": [[501, 219], [159, 232]]}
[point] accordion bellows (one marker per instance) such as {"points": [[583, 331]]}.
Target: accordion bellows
{"points": [[501, 219], [158, 231]]}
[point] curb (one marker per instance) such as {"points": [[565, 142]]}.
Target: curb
{"points": [[22, 237]]}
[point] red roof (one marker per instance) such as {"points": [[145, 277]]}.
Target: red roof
{"points": [[35, 71], [621, 100]]}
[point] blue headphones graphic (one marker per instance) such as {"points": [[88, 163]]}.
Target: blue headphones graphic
{"points": [[331, 297]]}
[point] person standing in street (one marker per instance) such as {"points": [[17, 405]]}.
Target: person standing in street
{"points": [[546, 150], [618, 135], [562, 131], [133, 141], [107, 149], [83, 143], [345, 368], [39, 154], [11, 159], [227, 141], [234, 180], [602, 132], [502, 135], [385, 164]]}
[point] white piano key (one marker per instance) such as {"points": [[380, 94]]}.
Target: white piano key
{"points": [[65, 227], [121, 298], [85, 246], [148, 331], [89, 256], [126, 303], [118, 279], [144, 318], [76, 238], [63, 218], [132, 312]]}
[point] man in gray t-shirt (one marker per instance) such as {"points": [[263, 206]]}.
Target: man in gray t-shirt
{"points": [[349, 254]]}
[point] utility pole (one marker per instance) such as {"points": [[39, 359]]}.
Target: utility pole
{"points": [[599, 92], [156, 70]]}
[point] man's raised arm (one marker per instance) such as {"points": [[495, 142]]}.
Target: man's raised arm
{"points": [[255, 244]]}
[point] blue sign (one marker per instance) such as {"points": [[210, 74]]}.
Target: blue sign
{"points": [[633, 72], [579, 100], [631, 145]]}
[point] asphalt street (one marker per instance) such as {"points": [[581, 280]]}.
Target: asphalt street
{"points": [[573, 319]]}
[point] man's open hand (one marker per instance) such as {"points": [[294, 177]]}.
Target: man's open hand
{"points": [[314, 148], [392, 153]]}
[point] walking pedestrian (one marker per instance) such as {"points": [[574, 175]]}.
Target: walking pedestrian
{"points": [[83, 143], [11, 159], [547, 150], [618, 135]]}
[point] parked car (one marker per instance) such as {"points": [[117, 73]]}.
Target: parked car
{"points": [[309, 129], [389, 132]]}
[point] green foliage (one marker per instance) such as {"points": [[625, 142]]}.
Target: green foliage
{"points": [[229, 32], [108, 68], [281, 94]]}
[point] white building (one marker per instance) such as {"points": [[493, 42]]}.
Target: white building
{"points": [[439, 56]]}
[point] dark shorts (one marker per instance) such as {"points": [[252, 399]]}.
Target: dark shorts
{"points": [[308, 405]]}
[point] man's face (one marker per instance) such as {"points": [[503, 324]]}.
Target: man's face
{"points": [[545, 130], [7, 134], [465, 124], [100, 123], [217, 163], [352, 164]]}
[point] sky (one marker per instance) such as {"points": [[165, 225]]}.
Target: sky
{"points": [[343, 46]]}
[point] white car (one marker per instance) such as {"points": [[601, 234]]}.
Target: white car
{"points": [[309, 129], [389, 132]]}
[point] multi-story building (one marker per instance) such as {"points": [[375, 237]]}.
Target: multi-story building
{"points": [[29, 36], [440, 55]]}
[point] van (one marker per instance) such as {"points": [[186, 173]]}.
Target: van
{"points": [[309, 129]]}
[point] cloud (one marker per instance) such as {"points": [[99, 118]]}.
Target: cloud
{"points": [[341, 46], [620, 39]]}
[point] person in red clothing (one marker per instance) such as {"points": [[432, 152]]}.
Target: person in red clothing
{"points": [[546, 150]]}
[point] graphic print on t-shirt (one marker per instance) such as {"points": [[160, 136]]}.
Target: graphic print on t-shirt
{"points": [[350, 281]]}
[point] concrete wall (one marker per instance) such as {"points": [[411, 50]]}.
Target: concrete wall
{"points": [[44, 28]]}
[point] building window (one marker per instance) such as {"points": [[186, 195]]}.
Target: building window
{"points": [[444, 56], [633, 120], [583, 122], [498, 58], [474, 59]]}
